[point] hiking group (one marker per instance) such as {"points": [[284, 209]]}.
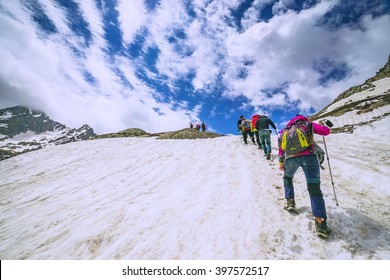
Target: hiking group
{"points": [[257, 127], [296, 148], [198, 127]]}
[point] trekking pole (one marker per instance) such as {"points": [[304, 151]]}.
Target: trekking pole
{"points": [[330, 124]]}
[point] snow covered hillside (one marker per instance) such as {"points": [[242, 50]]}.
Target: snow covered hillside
{"points": [[360, 105], [143, 198]]}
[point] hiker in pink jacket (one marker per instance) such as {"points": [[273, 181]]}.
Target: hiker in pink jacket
{"points": [[317, 129], [308, 161]]}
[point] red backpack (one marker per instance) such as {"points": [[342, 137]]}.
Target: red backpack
{"points": [[254, 120]]}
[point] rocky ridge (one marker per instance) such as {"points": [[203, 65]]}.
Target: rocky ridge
{"points": [[186, 133], [23, 129], [360, 105]]}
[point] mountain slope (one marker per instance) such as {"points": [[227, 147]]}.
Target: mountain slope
{"points": [[360, 105], [23, 129], [144, 198]]}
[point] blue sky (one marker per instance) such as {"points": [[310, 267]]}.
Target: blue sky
{"points": [[159, 65]]}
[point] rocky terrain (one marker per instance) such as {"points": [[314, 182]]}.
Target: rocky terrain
{"points": [[23, 129], [365, 103], [186, 133]]}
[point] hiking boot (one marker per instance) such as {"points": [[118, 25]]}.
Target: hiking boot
{"points": [[290, 203], [290, 207], [322, 229], [268, 156]]}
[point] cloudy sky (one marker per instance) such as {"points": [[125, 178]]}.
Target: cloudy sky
{"points": [[160, 64]]}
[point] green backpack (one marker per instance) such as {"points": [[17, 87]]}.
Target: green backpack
{"points": [[297, 137]]}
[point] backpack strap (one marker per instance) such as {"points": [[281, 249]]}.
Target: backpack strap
{"points": [[310, 132]]}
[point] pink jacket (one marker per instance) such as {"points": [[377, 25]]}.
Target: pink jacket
{"points": [[317, 129]]}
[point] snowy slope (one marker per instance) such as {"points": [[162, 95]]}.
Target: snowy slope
{"points": [[143, 198], [368, 103]]}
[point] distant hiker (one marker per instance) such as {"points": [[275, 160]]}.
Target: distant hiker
{"points": [[255, 131], [197, 127], [191, 125], [239, 123], [296, 150], [203, 126], [262, 125], [247, 130], [239, 128]]}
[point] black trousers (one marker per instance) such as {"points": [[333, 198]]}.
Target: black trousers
{"points": [[245, 134]]}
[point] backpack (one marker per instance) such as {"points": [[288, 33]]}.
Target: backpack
{"points": [[297, 137], [254, 120], [246, 125]]}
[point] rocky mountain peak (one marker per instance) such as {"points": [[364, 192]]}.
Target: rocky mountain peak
{"points": [[18, 119], [24, 129]]}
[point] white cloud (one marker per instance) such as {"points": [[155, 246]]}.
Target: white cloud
{"points": [[132, 16], [169, 17], [46, 74], [93, 17], [283, 51]]}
